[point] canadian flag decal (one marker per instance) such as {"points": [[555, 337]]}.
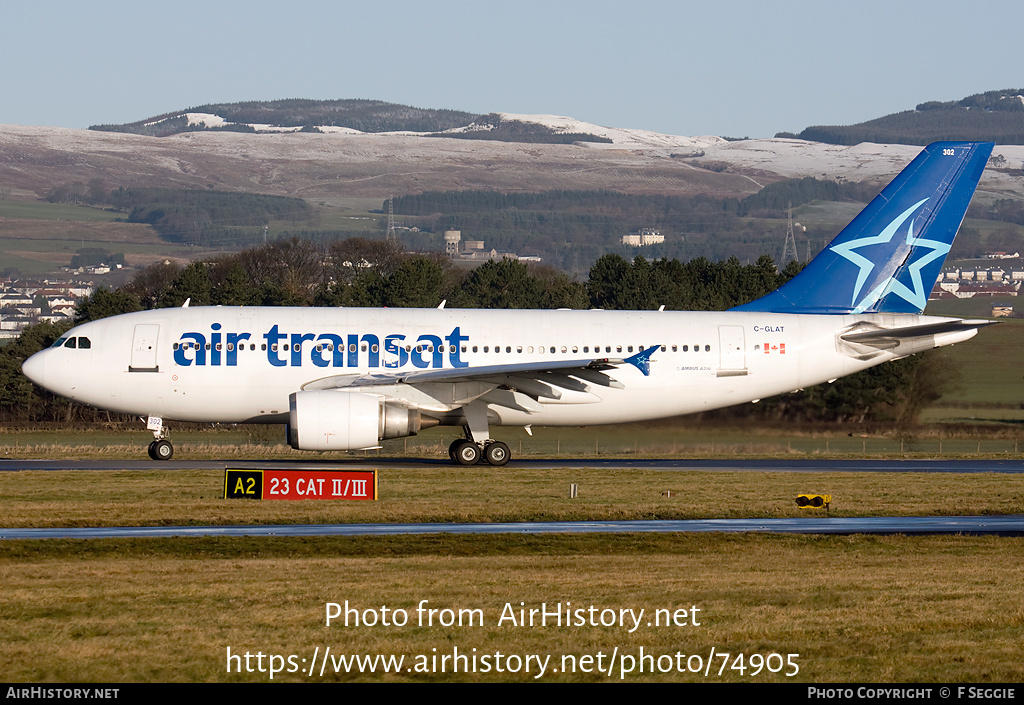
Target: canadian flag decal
{"points": [[778, 347]]}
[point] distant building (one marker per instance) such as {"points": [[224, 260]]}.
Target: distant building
{"points": [[473, 250], [451, 242], [643, 237], [970, 290]]}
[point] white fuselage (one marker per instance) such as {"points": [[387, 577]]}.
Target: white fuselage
{"points": [[227, 364]]}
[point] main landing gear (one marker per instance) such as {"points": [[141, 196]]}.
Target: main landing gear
{"points": [[477, 444], [466, 452]]}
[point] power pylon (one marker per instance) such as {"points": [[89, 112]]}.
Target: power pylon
{"points": [[790, 245], [392, 235]]}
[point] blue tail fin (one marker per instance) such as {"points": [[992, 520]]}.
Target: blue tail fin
{"points": [[888, 258]]}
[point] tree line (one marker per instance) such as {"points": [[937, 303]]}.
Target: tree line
{"points": [[190, 216], [358, 114], [377, 273], [994, 116]]}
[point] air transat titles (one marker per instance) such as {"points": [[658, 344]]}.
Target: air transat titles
{"points": [[221, 348]]}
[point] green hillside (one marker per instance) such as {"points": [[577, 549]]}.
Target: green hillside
{"points": [[995, 116]]}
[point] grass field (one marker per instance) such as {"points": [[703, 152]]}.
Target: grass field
{"points": [[990, 366], [485, 494], [860, 608], [891, 609]]}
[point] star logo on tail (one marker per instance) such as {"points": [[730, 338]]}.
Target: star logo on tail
{"points": [[918, 296]]}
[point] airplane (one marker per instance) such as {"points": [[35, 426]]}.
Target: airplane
{"points": [[348, 378]]}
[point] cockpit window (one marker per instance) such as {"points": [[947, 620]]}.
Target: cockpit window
{"points": [[81, 342]]}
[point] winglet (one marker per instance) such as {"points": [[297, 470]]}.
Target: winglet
{"points": [[642, 360]]}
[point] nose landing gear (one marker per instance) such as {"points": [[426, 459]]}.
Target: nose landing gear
{"points": [[160, 448]]}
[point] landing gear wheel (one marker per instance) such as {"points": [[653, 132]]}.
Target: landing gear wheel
{"points": [[453, 449], [161, 450], [467, 453], [496, 453]]}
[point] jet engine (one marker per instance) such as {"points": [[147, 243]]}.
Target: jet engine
{"points": [[333, 420]]}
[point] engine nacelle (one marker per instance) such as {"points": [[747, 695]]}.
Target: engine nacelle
{"points": [[332, 420]]}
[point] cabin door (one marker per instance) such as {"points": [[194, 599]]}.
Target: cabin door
{"points": [[144, 348]]}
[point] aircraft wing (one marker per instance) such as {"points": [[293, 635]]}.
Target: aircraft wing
{"points": [[536, 379]]}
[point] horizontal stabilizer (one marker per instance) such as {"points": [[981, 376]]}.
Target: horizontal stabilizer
{"points": [[888, 337]]}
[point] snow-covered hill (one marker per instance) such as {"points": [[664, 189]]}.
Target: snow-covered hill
{"points": [[344, 163], [620, 137]]}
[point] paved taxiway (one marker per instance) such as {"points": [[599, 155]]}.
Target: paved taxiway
{"points": [[1004, 525], [666, 465]]}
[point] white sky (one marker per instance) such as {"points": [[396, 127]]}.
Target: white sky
{"points": [[729, 67]]}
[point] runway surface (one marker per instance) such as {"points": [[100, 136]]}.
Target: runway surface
{"points": [[1003, 525], [666, 465]]}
